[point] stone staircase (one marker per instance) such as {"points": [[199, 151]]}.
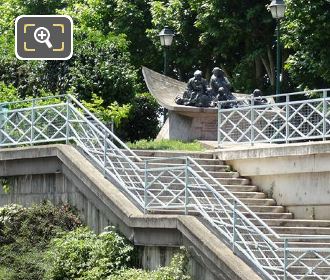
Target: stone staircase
{"points": [[276, 216]]}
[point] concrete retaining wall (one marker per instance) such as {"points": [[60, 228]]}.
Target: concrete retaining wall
{"points": [[296, 175], [60, 173]]}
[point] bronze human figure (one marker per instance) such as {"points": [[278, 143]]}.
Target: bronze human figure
{"points": [[197, 93], [220, 88], [258, 98]]}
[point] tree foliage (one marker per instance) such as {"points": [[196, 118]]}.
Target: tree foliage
{"points": [[100, 64], [81, 254], [114, 38], [142, 121], [25, 234], [236, 35], [307, 36], [44, 242], [177, 270]]}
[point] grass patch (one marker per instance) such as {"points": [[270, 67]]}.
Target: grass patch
{"points": [[165, 144]]}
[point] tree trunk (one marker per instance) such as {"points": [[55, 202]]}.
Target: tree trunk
{"points": [[259, 71], [268, 62]]}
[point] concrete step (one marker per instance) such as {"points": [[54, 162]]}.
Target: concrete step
{"points": [[243, 189], [238, 188], [298, 223], [304, 276], [207, 167], [214, 174], [305, 241], [223, 181], [253, 208], [156, 187], [166, 196], [306, 260], [302, 230], [265, 209], [262, 215], [168, 153], [201, 161], [270, 215]]}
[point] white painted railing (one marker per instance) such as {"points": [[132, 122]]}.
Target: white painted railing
{"points": [[184, 186], [294, 117]]}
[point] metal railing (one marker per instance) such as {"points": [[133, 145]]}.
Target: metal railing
{"points": [[183, 185], [294, 117]]}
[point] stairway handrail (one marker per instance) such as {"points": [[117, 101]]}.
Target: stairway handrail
{"points": [[101, 131], [110, 133]]}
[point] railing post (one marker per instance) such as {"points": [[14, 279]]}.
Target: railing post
{"points": [[325, 109], [234, 227], [287, 108], [285, 258], [252, 120], [112, 129], [3, 116], [219, 124], [186, 188], [67, 124], [145, 187], [32, 122], [105, 153]]}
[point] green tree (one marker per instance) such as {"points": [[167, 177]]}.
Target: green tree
{"points": [[306, 36], [142, 122], [236, 35], [101, 63]]}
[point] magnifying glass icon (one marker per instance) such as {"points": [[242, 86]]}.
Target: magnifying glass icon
{"points": [[42, 35]]}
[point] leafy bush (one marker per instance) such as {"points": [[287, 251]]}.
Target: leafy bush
{"points": [[114, 112], [81, 254], [8, 93], [35, 225], [45, 242], [177, 270], [24, 236], [142, 122]]}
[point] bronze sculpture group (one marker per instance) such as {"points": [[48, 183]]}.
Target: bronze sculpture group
{"points": [[199, 94]]}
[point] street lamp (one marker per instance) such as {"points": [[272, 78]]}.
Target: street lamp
{"points": [[277, 8], [166, 39]]}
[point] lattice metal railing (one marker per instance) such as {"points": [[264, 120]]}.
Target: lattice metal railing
{"points": [[293, 118], [183, 185]]}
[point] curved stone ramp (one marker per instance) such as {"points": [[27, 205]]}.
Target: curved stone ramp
{"points": [[100, 203]]}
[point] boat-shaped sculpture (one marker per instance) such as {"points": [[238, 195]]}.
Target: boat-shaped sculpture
{"points": [[188, 122], [184, 122]]}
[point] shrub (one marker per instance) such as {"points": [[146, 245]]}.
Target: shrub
{"points": [[81, 254], [177, 270], [8, 93], [142, 122], [35, 225], [24, 235], [112, 113]]}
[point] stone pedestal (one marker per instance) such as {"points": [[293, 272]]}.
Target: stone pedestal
{"points": [[184, 127]]}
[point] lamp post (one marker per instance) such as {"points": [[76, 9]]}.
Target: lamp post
{"points": [[277, 8], [166, 39]]}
